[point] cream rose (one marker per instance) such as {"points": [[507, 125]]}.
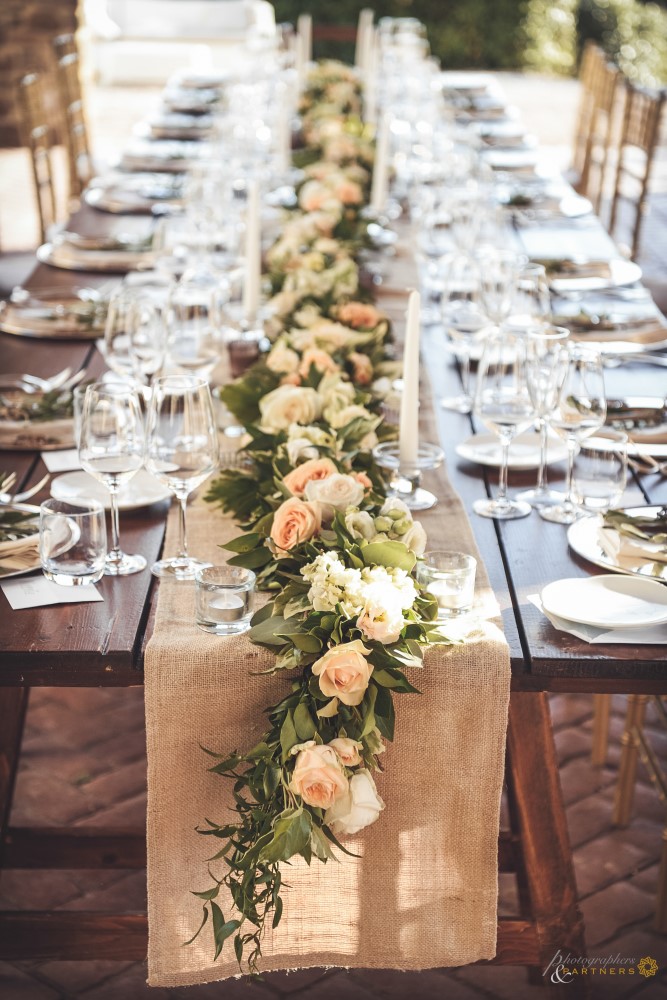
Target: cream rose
{"points": [[360, 524], [337, 491], [318, 777], [415, 538], [295, 521], [347, 750], [360, 807], [282, 359], [316, 468], [344, 672], [289, 404]]}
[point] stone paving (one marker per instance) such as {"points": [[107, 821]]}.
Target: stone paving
{"points": [[83, 763]]}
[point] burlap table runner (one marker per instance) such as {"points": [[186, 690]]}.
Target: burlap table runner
{"points": [[423, 894]]}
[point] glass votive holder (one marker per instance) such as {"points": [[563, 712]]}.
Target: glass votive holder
{"points": [[450, 578], [600, 471], [223, 599], [72, 541]]}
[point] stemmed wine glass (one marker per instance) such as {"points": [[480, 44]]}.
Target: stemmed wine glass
{"points": [[499, 270], [503, 403], [532, 305], [581, 410], [111, 448], [182, 451], [463, 320], [546, 366], [134, 337]]}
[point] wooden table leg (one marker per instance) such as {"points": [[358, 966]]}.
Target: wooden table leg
{"points": [[549, 886], [13, 705]]}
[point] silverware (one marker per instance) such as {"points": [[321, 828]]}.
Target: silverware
{"points": [[13, 498], [31, 383]]}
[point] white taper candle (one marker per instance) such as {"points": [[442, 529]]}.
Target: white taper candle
{"points": [[253, 255], [408, 430], [304, 27]]}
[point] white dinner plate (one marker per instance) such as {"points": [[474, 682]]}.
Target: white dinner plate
{"points": [[583, 539], [141, 491], [607, 601], [524, 450], [621, 272]]}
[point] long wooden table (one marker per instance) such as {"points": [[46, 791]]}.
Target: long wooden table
{"points": [[102, 644]]}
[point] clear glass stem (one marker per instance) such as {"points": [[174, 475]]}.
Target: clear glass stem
{"points": [[542, 471], [505, 442], [464, 361], [568, 503], [115, 554], [182, 529]]}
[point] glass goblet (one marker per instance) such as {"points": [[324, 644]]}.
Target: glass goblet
{"points": [[182, 451], [111, 448], [580, 411], [546, 366], [503, 404]]}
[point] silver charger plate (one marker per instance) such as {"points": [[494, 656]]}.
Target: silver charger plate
{"points": [[53, 314], [582, 537]]}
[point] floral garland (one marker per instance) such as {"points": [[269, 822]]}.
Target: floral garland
{"points": [[347, 615]]}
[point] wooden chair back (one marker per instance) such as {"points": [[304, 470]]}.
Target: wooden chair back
{"points": [[64, 45], [590, 58], [76, 131], [37, 135], [606, 87], [640, 134]]}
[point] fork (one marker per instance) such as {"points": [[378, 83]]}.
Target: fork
{"points": [[12, 498]]}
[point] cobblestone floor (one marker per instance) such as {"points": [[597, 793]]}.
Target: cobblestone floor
{"points": [[83, 763]]}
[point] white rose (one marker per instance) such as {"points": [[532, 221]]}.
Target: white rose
{"points": [[360, 524], [393, 503], [415, 538], [360, 807], [307, 315], [289, 404], [283, 303], [313, 434], [300, 449], [335, 393], [336, 492], [282, 359], [340, 417]]}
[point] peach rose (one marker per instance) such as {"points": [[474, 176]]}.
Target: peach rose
{"points": [[362, 368], [349, 193], [347, 750], [322, 361], [295, 521], [344, 672], [315, 468], [362, 478], [292, 379], [318, 777], [359, 315]]}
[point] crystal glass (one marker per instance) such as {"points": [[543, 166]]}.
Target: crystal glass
{"points": [[134, 336], [601, 471], [580, 412], [111, 448], [72, 541], [503, 404], [450, 578], [463, 319], [182, 452], [547, 360], [194, 321], [499, 270], [531, 305], [223, 599]]}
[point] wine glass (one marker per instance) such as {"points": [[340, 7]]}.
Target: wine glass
{"points": [[499, 270], [581, 411], [546, 366], [503, 404], [111, 448], [182, 451], [463, 320], [134, 339], [532, 304], [194, 321]]}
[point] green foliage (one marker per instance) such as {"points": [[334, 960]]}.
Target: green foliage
{"points": [[634, 34]]}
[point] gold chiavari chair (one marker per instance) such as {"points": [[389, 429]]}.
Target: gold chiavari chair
{"points": [[589, 61], [635, 744], [64, 45], [640, 132], [38, 135], [76, 131], [606, 87]]}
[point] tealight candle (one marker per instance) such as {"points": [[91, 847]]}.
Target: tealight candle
{"points": [[226, 609], [450, 578], [223, 596]]}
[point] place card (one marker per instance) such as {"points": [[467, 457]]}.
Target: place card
{"points": [[37, 591], [656, 635], [61, 461]]}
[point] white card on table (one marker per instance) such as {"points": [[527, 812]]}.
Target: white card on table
{"points": [[37, 591], [61, 461]]}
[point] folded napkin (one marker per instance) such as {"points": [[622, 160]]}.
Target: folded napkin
{"points": [[18, 556], [626, 551]]}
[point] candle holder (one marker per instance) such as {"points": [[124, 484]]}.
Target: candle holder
{"points": [[405, 479]]}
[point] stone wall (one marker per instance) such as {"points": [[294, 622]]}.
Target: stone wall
{"points": [[27, 28]]}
